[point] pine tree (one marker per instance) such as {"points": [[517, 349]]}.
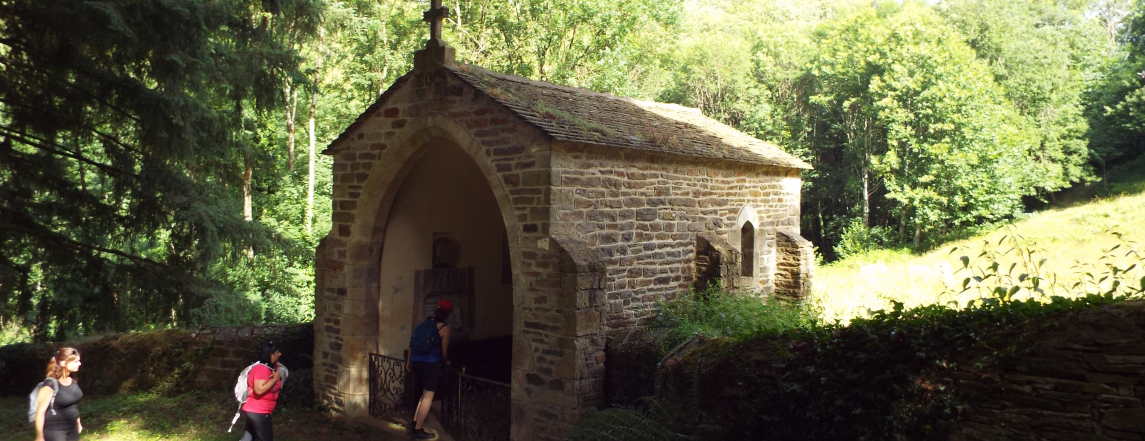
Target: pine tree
{"points": [[124, 126]]}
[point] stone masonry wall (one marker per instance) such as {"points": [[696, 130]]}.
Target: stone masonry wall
{"points": [[1083, 380], [641, 218], [717, 263], [230, 349], [641, 213], [1075, 375], [206, 358], [795, 257]]}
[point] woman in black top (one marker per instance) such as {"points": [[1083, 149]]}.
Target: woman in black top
{"points": [[62, 421]]}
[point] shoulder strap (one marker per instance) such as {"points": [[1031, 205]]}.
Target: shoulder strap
{"points": [[246, 371], [55, 385], [250, 380]]}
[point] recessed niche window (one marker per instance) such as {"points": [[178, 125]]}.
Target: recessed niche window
{"points": [[747, 250]]}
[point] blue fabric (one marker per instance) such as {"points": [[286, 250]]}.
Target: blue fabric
{"points": [[432, 357]]}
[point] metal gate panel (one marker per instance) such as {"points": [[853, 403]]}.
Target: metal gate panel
{"points": [[474, 408], [391, 390]]}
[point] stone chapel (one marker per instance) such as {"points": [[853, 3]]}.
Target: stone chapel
{"points": [[551, 216]]}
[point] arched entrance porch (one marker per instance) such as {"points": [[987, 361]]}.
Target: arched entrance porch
{"points": [[441, 231], [445, 239]]}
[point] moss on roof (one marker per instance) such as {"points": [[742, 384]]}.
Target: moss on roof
{"points": [[581, 115]]}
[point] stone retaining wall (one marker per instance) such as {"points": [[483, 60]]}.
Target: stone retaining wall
{"points": [[173, 359], [1081, 376], [230, 349], [1084, 380]]}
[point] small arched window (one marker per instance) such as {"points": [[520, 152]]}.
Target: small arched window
{"points": [[747, 250]]}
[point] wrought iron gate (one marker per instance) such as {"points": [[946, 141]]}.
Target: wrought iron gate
{"points": [[472, 408], [391, 390]]}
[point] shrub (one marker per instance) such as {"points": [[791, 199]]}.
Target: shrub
{"points": [[858, 239], [719, 313]]}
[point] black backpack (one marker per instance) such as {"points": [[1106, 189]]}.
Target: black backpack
{"points": [[425, 338]]}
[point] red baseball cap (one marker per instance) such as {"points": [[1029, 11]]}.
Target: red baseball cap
{"points": [[446, 305]]}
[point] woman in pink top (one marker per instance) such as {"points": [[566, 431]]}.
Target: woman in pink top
{"points": [[265, 382]]}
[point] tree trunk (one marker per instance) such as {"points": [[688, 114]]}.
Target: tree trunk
{"points": [[313, 110], [291, 96], [867, 173], [310, 183], [248, 212], [902, 221], [866, 195]]}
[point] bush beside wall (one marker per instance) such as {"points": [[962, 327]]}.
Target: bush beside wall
{"points": [[1083, 378], [1050, 372], [632, 358], [169, 360]]}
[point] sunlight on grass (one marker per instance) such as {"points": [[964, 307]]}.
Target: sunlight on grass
{"points": [[196, 416], [1080, 246]]}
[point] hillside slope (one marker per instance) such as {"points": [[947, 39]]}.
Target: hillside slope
{"points": [[1073, 251]]}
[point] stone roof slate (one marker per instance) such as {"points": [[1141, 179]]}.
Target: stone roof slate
{"points": [[581, 115]]}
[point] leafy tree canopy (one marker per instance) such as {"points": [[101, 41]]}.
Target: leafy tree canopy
{"points": [[121, 124]]}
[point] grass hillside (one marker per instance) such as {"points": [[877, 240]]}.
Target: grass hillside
{"points": [[1064, 252]]}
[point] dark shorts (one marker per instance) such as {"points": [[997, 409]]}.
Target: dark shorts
{"points": [[62, 435], [427, 375]]}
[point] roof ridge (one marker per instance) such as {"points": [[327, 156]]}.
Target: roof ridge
{"points": [[577, 89], [467, 68]]}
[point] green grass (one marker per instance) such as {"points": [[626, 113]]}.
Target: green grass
{"points": [[716, 313], [1085, 248], [195, 416]]}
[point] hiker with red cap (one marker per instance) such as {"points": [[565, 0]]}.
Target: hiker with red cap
{"points": [[429, 348]]}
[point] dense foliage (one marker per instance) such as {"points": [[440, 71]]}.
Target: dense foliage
{"points": [[120, 127], [160, 161]]}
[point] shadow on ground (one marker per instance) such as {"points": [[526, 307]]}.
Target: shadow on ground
{"points": [[195, 416]]}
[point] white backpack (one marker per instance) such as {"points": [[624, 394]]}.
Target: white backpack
{"points": [[242, 391]]}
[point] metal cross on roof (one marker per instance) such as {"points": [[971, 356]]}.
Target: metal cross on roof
{"points": [[434, 16]]}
